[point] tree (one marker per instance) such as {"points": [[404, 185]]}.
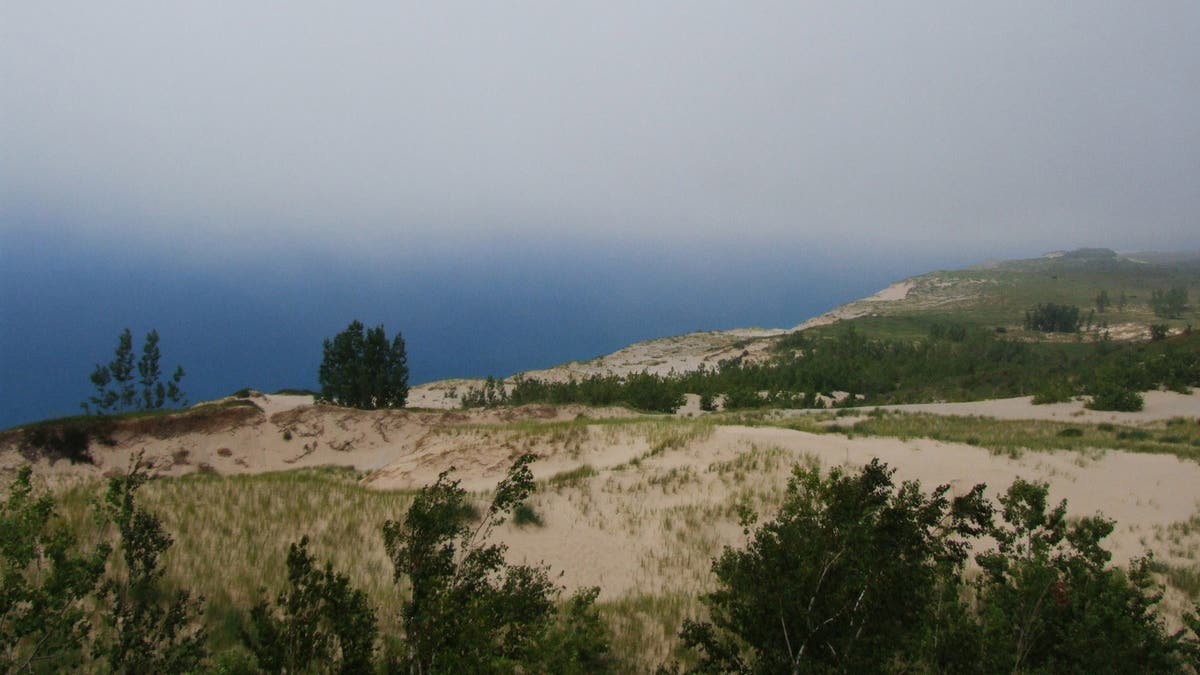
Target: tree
{"points": [[319, 621], [1116, 386], [469, 611], [853, 575], [115, 384], [1047, 592], [45, 584], [149, 629], [363, 370], [1102, 301], [1169, 304], [1053, 318]]}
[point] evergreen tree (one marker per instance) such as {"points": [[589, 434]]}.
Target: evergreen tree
{"points": [[360, 369], [116, 387], [149, 374]]}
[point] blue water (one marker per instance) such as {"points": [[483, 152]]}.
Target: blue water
{"points": [[503, 309]]}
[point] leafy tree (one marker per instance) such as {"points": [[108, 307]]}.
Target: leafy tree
{"points": [[853, 575], [149, 629], [1053, 318], [361, 369], [1169, 304], [1102, 301], [469, 611], [45, 584], [1047, 594], [654, 393], [115, 383], [1115, 386], [320, 622]]}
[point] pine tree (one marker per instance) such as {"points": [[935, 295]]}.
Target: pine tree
{"points": [[115, 383], [360, 370], [149, 373]]}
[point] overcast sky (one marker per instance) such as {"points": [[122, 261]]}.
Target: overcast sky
{"points": [[364, 128]]}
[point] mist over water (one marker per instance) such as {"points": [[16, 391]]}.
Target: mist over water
{"points": [[496, 310]]}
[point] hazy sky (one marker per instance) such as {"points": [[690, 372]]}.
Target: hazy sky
{"points": [[374, 129], [515, 184]]}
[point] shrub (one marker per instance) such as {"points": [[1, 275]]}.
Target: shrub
{"points": [[850, 577], [856, 575], [470, 611], [524, 514], [320, 623], [1116, 398], [1053, 390], [45, 580], [67, 439], [1053, 318]]}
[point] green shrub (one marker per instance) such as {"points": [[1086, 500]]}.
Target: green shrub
{"points": [[524, 514], [1116, 398], [1053, 390]]}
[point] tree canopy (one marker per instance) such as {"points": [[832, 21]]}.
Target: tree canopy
{"points": [[856, 574], [116, 387], [361, 369]]}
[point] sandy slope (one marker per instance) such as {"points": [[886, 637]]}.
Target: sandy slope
{"points": [[1159, 405], [662, 498]]}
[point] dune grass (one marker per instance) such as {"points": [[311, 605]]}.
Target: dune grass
{"points": [[231, 533], [1178, 436]]}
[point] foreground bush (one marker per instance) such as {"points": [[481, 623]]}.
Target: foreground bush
{"points": [[858, 575], [469, 610]]}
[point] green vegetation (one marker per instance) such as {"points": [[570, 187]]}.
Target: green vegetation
{"points": [[116, 386], [319, 623], [53, 589], [641, 391], [954, 367], [148, 630], [1178, 437], [858, 575], [362, 370], [44, 581], [950, 363], [1051, 318], [466, 608], [470, 611], [1169, 304]]}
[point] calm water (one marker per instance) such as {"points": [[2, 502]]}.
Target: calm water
{"points": [[260, 324]]}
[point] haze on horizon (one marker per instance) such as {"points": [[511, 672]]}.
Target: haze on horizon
{"points": [[527, 157]]}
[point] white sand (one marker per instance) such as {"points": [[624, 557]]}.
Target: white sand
{"points": [[655, 525], [1159, 405]]}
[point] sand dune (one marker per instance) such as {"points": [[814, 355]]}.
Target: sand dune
{"points": [[660, 493]]}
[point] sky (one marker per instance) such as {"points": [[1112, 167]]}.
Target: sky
{"points": [[513, 183]]}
